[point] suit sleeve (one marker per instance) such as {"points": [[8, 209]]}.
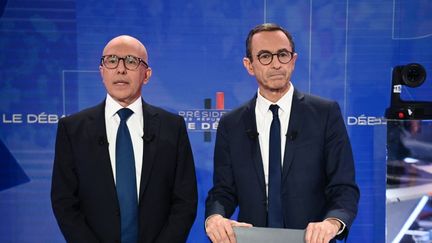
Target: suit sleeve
{"points": [[64, 190], [222, 197], [184, 194], [342, 192]]}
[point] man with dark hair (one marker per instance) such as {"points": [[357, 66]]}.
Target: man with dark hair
{"points": [[123, 170], [284, 158]]}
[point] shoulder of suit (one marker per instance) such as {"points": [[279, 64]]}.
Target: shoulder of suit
{"points": [[240, 110], [317, 100], [158, 111], [90, 111]]}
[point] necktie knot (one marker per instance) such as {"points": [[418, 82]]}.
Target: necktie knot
{"points": [[124, 113], [274, 109]]}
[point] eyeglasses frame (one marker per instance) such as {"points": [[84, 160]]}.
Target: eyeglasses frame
{"points": [[275, 54], [124, 63]]}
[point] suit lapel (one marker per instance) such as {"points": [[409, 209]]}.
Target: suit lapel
{"points": [[294, 128], [151, 139], [249, 120], [96, 132]]}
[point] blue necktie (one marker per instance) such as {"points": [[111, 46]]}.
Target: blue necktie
{"points": [[275, 217], [126, 180]]}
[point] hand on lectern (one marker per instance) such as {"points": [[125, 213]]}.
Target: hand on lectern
{"points": [[322, 232], [220, 229]]}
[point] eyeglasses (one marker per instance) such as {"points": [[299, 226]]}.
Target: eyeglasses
{"points": [[129, 62], [284, 57]]}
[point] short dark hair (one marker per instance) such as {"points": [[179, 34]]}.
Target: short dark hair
{"points": [[265, 27]]}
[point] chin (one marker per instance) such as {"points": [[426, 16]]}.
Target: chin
{"points": [[279, 89]]}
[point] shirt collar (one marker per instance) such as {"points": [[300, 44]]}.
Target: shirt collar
{"points": [[111, 107]]}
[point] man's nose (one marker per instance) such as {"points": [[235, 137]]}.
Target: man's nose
{"points": [[121, 68], [275, 63]]}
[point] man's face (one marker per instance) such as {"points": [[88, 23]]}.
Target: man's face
{"points": [[276, 76], [122, 84]]}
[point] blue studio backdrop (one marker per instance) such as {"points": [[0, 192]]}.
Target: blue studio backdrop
{"points": [[50, 52]]}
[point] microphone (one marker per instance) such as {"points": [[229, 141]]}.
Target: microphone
{"points": [[292, 136], [252, 134], [102, 140], [148, 138]]}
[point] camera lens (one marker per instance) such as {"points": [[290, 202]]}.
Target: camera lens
{"points": [[413, 75]]}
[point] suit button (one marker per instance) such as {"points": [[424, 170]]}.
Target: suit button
{"points": [[117, 212]]}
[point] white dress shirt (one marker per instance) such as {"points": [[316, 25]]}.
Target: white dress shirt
{"points": [[135, 125], [264, 118]]}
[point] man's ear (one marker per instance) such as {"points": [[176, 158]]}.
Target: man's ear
{"points": [[101, 71], [248, 65], [294, 59], [147, 76]]}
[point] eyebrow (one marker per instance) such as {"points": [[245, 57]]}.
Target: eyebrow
{"points": [[267, 51], [122, 56]]}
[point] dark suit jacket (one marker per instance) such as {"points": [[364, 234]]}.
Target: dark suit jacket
{"points": [[83, 191], [318, 170]]}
